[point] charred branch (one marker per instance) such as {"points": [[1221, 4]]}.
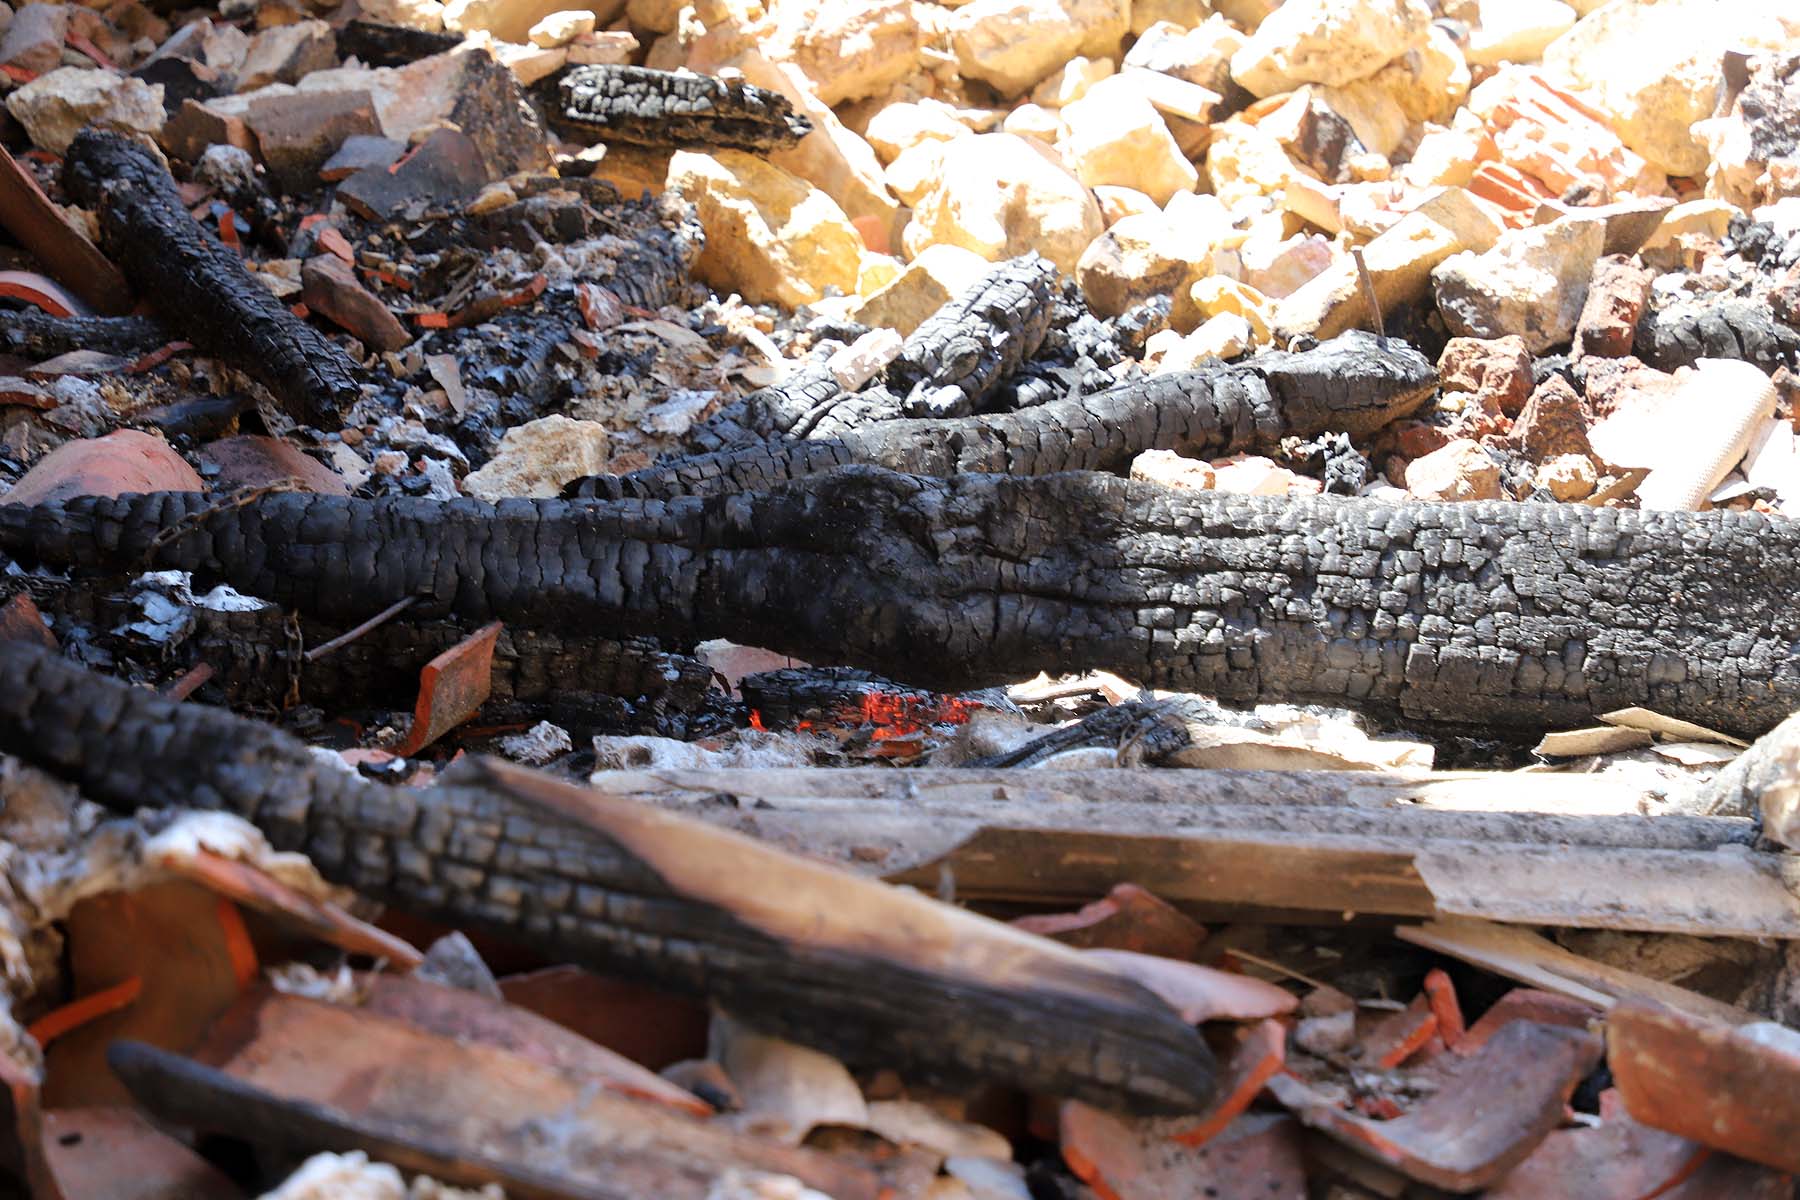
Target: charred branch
{"points": [[200, 287], [802, 950], [647, 107], [1513, 616], [962, 352], [33, 333], [1354, 383]]}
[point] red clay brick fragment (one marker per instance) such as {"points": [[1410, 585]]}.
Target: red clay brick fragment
{"points": [[1486, 1114], [1127, 918], [1724, 1086], [123, 461]]}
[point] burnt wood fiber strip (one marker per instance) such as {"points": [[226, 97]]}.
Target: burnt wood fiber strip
{"points": [[674, 109]]}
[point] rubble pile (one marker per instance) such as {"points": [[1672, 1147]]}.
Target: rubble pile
{"points": [[1273, 524]]}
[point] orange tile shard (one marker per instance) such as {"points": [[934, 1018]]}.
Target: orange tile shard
{"points": [[451, 688]]}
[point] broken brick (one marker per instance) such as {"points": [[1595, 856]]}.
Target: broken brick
{"points": [[1553, 423], [1127, 918], [253, 461], [298, 131], [1617, 293], [194, 127], [331, 289], [1493, 368], [1735, 1089], [441, 172]]}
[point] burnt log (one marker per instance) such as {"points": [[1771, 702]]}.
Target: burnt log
{"points": [[871, 973], [1740, 329], [198, 286], [1506, 616], [785, 410], [1356, 383], [32, 333], [962, 352], [671, 109]]}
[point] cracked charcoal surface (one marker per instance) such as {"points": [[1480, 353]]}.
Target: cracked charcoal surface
{"points": [[1354, 383], [200, 288], [1512, 617], [1741, 329], [478, 855], [961, 353], [34, 333], [667, 108]]}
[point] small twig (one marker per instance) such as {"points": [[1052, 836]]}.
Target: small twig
{"points": [[1270, 965], [1368, 290], [344, 639], [241, 498]]}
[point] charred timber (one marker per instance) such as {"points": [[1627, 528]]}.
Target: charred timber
{"points": [[1741, 329], [201, 288], [1507, 616], [676, 110], [36, 334], [954, 360], [801, 950], [1356, 383]]}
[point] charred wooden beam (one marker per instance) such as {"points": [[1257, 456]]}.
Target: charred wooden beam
{"points": [[32, 333], [962, 352], [953, 362], [1355, 383], [788, 409], [198, 286], [1507, 616], [675, 109], [791, 946]]}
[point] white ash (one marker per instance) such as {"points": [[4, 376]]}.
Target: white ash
{"points": [[676, 415], [352, 1176], [537, 745], [745, 748], [303, 979]]}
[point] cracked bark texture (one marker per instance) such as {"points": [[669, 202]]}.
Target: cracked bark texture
{"points": [[32, 332], [603, 883], [199, 287], [1508, 616], [672, 109], [1355, 383], [1741, 329], [954, 360]]}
